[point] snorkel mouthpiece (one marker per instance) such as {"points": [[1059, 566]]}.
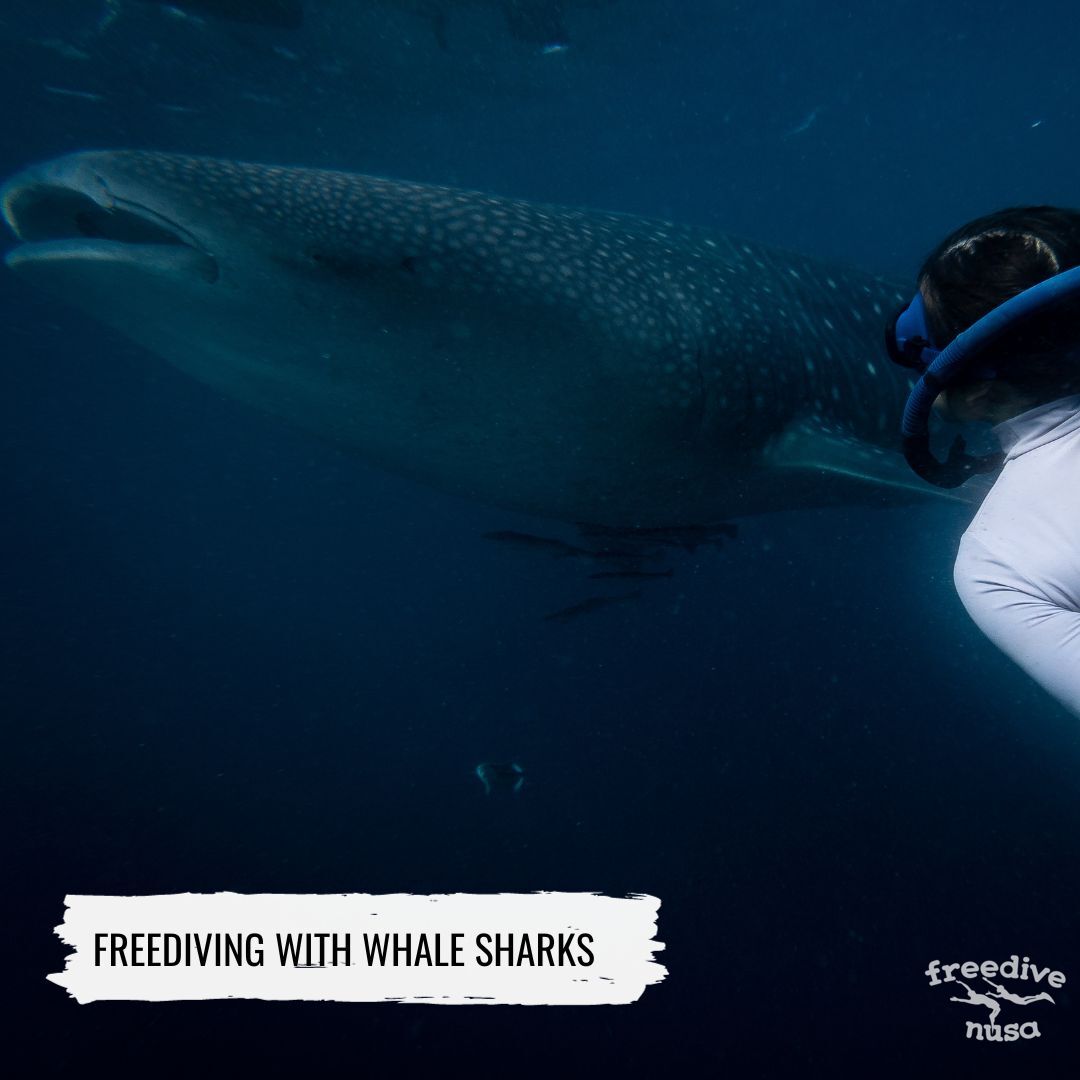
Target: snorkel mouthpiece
{"points": [[909, 344]]}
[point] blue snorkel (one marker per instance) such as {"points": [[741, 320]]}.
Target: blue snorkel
{"points": [[910, 345]]}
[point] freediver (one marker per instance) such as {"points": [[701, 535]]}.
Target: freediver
{"points": [[1016, 999], [994, 335], [975, 998]]}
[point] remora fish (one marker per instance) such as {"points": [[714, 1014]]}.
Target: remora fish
{"points": [[528, 542], [687, 537], [574, 364]]}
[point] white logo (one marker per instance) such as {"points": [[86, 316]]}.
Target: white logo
{"points": [[984, 988]]}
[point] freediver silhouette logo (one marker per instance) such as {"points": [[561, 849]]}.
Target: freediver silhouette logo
{"points": [[998, 995]]}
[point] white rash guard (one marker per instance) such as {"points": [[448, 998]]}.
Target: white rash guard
{"points": [[1018, 567]]}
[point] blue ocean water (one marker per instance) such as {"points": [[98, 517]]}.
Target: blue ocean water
{"points": [[237, 658]]}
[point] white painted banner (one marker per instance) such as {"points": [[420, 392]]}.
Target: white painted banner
{"points": [[455, 949]]}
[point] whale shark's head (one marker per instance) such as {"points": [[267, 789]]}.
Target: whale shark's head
{"points": [[90, 229], [232, 271], [127, 237]]}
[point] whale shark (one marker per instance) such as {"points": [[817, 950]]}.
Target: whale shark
{"points": [[574, 364]]}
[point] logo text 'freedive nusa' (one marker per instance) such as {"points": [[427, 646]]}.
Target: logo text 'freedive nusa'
{"points": [[997, 995]]}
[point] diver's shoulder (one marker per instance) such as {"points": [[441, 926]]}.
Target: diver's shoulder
{"points": [[1000, 531]]}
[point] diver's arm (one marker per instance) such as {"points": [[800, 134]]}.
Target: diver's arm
{"points": [[1040, 636]]}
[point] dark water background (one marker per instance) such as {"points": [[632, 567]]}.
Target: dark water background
{"points": [[237, 659]]}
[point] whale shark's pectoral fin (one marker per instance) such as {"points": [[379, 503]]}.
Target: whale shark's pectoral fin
{"points": [[833, 455]]}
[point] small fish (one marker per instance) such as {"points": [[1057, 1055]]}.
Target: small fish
{"points": [[261, 99], [82, 95], [67, 51], [691, 537], [591, 603], [1038, 123], [687, 537], [288, 14], [109, 15], [175, 12], [805, 124], [621, 555], [632, 574]]}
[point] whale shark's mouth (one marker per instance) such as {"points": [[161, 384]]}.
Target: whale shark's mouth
{"points": [[58, 223]]}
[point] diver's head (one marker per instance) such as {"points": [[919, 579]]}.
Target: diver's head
{"points": [[977, 268], [993, 330]]}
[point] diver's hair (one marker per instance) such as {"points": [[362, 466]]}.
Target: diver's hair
{"points": [[987, 261]]}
